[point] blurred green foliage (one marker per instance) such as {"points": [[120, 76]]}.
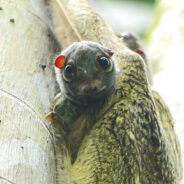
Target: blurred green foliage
{"points": [[150, 1], [156, 18]]}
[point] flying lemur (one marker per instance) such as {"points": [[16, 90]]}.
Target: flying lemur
{"points": [[109, 126]]}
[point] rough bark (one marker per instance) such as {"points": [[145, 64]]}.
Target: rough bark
{"points": [[26, 90]]}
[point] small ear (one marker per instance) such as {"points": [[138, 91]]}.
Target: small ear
{"points": [[140, 52], [108, 51], [60, 61]]}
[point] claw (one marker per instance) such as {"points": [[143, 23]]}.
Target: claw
{"points": [[48, 116]]}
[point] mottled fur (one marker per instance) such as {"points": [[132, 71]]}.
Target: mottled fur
{"points": [[127, 138]]}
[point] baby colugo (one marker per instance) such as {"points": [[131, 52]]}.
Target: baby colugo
{"points": [[86, 74]]}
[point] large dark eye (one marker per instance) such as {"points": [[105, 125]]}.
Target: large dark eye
{"points": [[104, 64], [68, 72]]}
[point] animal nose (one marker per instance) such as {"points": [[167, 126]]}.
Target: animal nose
{"points": [[89, 89]]}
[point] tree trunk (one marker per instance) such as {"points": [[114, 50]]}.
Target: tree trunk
{"points": [[27, 48], [26, 90]]}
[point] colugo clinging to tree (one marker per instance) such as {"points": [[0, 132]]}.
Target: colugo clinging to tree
{"points": [[110, 127]]}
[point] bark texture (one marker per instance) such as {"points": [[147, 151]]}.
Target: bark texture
{"points": [[26, 89]]}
